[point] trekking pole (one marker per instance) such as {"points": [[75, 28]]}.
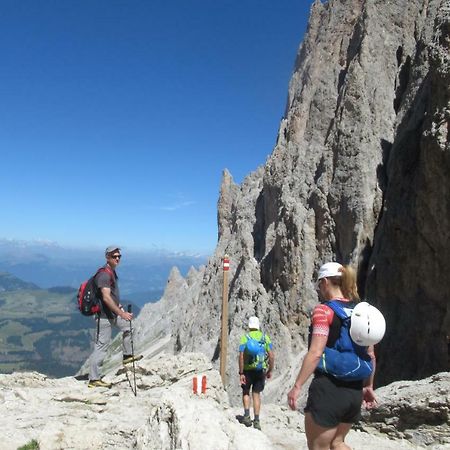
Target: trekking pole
{"points": [[132, 355]]}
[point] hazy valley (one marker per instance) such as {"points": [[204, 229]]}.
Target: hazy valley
{"points": [[40, 326]]}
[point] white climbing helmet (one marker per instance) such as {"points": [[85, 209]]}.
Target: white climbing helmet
{"points": [[253, 323], [367, 325]]}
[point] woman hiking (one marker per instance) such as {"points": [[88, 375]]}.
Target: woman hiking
{"points": [[333, 404]]}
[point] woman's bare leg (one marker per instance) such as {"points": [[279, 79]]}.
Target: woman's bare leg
{"points": [[319, 438], [338, 442]]}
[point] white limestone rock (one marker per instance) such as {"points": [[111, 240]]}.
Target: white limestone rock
{"points": [[165, 415]]}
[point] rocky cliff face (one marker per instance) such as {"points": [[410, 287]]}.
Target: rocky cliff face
{"points": [[409, 267], [359, 174]]}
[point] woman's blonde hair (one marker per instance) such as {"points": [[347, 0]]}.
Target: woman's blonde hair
{"points": [[347, 283]]}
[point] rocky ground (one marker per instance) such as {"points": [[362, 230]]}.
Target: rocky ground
{"points": [[166, 414]]}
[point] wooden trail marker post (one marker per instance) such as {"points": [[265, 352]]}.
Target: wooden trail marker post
{"points": [[224, 329]]}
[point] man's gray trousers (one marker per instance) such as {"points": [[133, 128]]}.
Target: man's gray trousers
{"points": [[103, 339]]}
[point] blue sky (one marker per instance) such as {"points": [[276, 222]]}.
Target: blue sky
{"points": [[117, 118]]}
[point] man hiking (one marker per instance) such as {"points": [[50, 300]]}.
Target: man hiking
{"points": [[112, 315], [254, 350]]}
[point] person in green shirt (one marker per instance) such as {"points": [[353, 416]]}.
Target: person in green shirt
{"points": [[256, 362]]}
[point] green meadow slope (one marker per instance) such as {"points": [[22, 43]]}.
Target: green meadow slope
{"points": [[41, 329]]}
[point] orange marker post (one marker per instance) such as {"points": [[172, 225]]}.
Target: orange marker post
{"points": [[194, 385], [204, 384]]}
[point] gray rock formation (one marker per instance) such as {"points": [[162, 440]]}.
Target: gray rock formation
{"points": [[359, 174], [417, 411], [409, 267], [164, 415]]}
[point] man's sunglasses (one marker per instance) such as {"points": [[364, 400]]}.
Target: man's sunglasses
{"points": [[116, 256]]}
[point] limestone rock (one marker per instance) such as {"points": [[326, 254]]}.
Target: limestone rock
{"points": [[164, 415], [418, 411]]}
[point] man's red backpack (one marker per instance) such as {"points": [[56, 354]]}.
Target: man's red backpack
{"points": [[89, 297]]}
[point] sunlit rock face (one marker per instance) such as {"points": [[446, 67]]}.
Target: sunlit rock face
{"points": [[359, 174]]}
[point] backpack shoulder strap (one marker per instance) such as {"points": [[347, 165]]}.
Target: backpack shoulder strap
{"points": [[263, 338], [108, 271], [338, 309]]}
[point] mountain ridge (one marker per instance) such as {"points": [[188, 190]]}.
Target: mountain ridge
{"points": [[9, 282]]}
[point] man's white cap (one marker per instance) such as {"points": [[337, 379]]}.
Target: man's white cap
{"points": [[331, 269], [253, 322], [111, 248]]}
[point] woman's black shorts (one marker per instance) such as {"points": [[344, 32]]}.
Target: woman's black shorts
{"points": [[332, 402], [255, 378]]}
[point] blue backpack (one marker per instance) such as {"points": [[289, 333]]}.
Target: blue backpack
{"points": [[256, 351], [346, 360]]}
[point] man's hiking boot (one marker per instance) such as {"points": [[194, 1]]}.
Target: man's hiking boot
{"points": [[99, 383], [127, 359], [256, 424], [247, 421]]}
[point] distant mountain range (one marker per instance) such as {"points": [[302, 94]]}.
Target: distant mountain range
{"points": [[143, 275], [9, 282]]}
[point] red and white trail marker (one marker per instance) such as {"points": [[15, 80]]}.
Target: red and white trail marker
{"points": [[199, 384]]}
